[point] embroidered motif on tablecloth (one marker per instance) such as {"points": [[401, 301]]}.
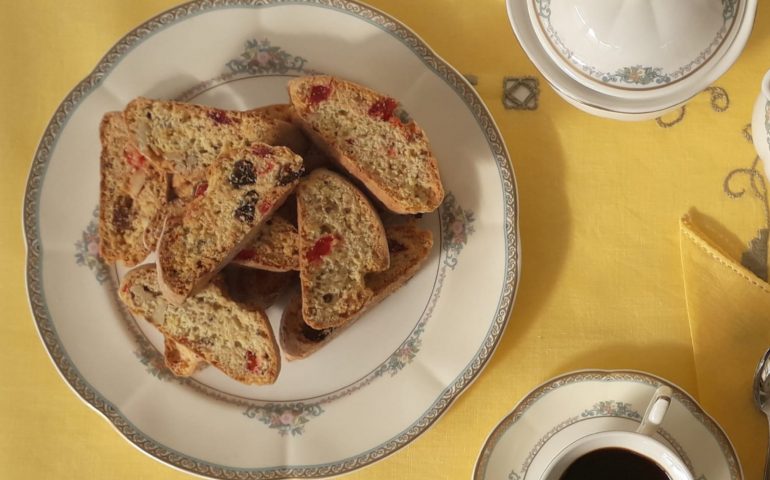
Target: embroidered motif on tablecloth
{"points": [[521, 93], [755, 256], [719, 100]]}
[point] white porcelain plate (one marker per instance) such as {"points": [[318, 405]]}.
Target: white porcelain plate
{"points": [[384, 381], [577, 404]]}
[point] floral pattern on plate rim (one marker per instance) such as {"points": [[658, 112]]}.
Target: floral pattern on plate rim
{"points": [[636, 75], [87, 250], [259, 57], [456, 227]]}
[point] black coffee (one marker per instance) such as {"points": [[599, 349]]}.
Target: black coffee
{"points": [[613, 464]]}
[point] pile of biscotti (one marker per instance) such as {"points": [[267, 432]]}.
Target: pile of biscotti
{"points": [[235, 203]]}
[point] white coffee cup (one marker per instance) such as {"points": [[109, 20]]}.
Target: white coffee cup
{"points": [[640, 443]]}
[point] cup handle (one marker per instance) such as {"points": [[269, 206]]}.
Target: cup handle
{"points": [[656, 410]]}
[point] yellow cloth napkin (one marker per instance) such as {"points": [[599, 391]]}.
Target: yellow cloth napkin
{"points": [[729, 309]]}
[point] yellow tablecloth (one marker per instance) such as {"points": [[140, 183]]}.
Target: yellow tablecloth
{"points": [[602, 283]]}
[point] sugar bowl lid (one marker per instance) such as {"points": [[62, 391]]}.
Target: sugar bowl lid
{"points": [[633, 47]]}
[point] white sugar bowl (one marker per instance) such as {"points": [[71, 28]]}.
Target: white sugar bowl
{"points": [[760, 123], [636, 48], [631, 59]]}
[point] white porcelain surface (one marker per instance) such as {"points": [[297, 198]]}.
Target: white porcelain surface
{"points": [[380, 384], [626, 47], [613, 115], [760, 123], [612, 106], [573, 406]]}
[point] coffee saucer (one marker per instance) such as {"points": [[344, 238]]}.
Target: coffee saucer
{"points": [[577, 404]]}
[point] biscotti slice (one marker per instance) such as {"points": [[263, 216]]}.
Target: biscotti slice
{"points": [[341, 239], [185, 139], [236, 340], [255, 289], [131, 199], [371, 136], [243, 189], [278, 111], [182, 361], [185, 188], [409, 248], [275, 248], [315, 157]]}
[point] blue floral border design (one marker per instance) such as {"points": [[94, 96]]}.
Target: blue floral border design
{"points": [[286, 418], [636, 75], [87, 249], [456, 227], [259, 57]]}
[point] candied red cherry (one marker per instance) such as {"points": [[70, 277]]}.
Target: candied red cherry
{"points": [[319, 93], [261, 150], [246, 254], [201, 188], [321, 248], [383, 109], [220, 117], [252, 361]]}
